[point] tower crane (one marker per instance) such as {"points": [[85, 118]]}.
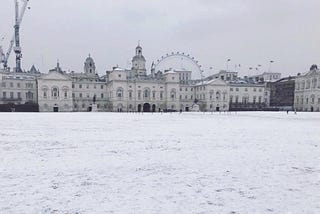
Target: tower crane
{"points": [[4, 57]]}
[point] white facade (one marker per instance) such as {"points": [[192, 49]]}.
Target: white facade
{"points": [[307, 91], [135, 90], [55, 93]]}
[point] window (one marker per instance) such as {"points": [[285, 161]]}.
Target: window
{"points": [[254, 99], [73, 95], [119, 92], [254, 89], [18, 85], [3, 84], [260, 99], [154, 95], [94, 86], [139, 95], [80, 95], [11, 95], [19, 95], [45, 94], [246, 89], [87, 86], [231, 89], [102, 95], [237, 89], [80, 86], [218, 96], [4, 94], [72, 85], [130, 94], [65, 95], [231, 99], [55, 93], [237, 99], [173, 94], [146, 93], [314, 83], [29, 95], [101, 86], [260, 89], [161, 95]]}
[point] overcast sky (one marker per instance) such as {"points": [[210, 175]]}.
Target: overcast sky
{"points": [[250, 32]]}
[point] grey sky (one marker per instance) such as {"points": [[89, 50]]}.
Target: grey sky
{"points": [[250, 32]]}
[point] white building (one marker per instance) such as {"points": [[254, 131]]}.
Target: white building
{"points": [[133, 89], [307, 90]]}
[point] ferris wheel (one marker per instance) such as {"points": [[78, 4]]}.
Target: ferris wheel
{"points": [[187, 59]]}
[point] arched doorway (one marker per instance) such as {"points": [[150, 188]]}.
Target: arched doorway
{"points": [[153, 108], [139, 108], [55, 108], [312, 109], [146, 107], [218, 108]]}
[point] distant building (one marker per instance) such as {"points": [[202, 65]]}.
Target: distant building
{"points": [[247, 96], [282, 93], [136, 90], [266, 77], [307, 90]]}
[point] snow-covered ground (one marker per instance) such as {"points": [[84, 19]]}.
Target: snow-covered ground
{"points": [[160, 163]]}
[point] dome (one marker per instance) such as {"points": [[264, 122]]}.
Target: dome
{"points": [[138, 58]]}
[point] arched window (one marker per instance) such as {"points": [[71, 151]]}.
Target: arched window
{"points": [[55, 93], [119, 92], [211, 95], [218, 96], [146, 93], [45, 92], [173, 94], [312, 98], [314, 83]]}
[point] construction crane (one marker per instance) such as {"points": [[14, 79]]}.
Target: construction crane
{"points": [[15, 38]]}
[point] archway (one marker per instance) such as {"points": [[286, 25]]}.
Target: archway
{"points": [[55, 108], [146, 107], [153, 108]]}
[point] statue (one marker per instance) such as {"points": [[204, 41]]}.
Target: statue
{"points": [[94, 99]]}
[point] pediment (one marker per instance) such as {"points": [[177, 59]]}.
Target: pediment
{"points": [[53, 75]]}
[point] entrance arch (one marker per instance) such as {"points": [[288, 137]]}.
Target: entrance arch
{"points": [[153, 108], [139, 108], [146, 107], [55, 108]]}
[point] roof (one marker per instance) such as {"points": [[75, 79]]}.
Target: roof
{"points": [[137, 57]]}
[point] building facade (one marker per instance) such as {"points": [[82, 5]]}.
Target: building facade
{"points": [[133, 90], [282, 93], [307, 91]]}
